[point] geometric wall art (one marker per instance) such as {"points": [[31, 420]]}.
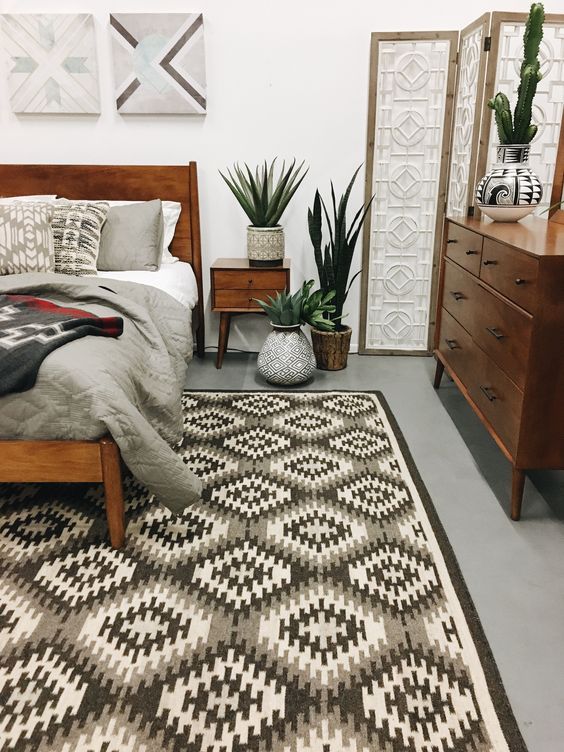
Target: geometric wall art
{"points": [[52, 64], [159, 63], [410, 107]]}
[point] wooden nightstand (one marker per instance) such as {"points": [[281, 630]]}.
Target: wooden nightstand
{"points": [[234, 284]]}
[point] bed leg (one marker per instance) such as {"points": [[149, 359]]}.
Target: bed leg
{"points": [[200, 340], [113, 490]]}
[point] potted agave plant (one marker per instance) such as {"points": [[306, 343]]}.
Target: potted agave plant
{"points": [[264, 198], [511, 190], [333, 261], [286, 357]]}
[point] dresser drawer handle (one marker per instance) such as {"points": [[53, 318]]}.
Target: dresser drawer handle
{"points": [[490, 262], [471, 252], [452, 240], [457, 295], [520, 281], [452, 344], [495, 332], [488, 393]]}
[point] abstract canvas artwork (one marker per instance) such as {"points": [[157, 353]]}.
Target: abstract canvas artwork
{"points": [[52, 64], [159, 63]]}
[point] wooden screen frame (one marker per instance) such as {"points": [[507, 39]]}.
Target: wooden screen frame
{"points": [[484, 20], [72, 461], [556, 211], [405, 36]]}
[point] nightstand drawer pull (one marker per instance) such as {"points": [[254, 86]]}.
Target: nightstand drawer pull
{"points": [[457, 295], [520, 281], [488, 393], [489, 262], [452, 344], [495, 332], [451, 240]]}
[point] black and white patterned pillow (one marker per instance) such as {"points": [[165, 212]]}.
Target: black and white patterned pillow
{"points": [[26, 243], [77, 227]]}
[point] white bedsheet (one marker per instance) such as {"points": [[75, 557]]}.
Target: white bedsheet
{"points": [[177, 279]]}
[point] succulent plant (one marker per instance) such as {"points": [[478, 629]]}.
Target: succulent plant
{"points": [[519, 129], [263, 197], [300, 308], [334, 259]]}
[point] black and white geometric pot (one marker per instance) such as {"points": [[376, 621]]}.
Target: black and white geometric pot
{"points": [[286, 358], [510, 190]]}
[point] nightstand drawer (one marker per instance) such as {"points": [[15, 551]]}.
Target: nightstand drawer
{"points": [[464, 247], [240, 299], [512, 273], [251, 279]]}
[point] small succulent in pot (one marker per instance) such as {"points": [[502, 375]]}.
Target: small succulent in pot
{"points": [[287, 358], [264, 197]]}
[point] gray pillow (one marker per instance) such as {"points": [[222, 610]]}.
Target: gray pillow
{"points": [[132, 238]]}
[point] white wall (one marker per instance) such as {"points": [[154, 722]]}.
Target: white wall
{"points": [[287, 78]]}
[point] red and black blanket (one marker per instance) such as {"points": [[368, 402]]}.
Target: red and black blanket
{"points": [[31, 328]]}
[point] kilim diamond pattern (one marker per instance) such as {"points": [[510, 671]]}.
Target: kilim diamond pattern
{"points": [[309, 603]]}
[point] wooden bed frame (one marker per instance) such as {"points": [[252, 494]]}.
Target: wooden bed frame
{"points": [[99, 461]]}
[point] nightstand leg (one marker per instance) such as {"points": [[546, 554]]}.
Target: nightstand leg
{"points": [[440, 369], [224, 324], [517, 486]]}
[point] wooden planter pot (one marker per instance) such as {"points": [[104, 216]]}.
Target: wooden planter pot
{"points": [[331, 348]]}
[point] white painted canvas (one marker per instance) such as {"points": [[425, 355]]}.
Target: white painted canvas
{"points": [[52, 63], [159, 63]]}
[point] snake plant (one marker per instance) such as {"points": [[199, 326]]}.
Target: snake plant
{"points": [[519, 129], [263, 196], [303, 307], [334, 259]]}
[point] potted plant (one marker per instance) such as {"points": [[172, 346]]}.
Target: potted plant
{"points": [[333, 260], [511, 190], [287, 357], [264, 198]]}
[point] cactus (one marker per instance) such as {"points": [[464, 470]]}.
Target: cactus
{"points": [[520, 131]]}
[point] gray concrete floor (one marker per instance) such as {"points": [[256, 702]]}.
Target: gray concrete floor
{"points": [[514, 571]]}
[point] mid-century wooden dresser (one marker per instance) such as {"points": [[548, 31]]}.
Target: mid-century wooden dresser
{"points": [[500, 335]]}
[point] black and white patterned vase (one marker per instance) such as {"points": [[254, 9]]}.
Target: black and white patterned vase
{"points": [[510, 190], [286, 358]]}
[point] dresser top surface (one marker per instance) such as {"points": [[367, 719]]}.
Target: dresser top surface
{"points": [[533, 235]]}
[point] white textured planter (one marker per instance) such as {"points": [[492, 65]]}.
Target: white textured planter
{"points": [[265, 245], [286, 358]]}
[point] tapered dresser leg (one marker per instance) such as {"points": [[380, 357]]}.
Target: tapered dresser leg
{"points": [[224, 325], [111, 474], [439, 370], [517, 486]]}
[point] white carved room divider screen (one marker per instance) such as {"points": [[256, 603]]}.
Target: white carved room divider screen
{"points": [[408, 155], [411, 89]]}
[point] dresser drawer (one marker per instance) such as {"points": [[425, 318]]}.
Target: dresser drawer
{"points": [[464, 247], [460, 295], [503, 331], [456, 346], [510, 272], [240, 299], [249, 279], [498, 399]]}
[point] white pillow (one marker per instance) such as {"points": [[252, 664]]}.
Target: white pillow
{"points": [[171, 214]]}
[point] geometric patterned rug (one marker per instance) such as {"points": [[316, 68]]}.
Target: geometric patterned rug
{"points": [[310, 603]]}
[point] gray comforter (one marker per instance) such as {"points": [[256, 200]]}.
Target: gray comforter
{"points": [[130, 387]]}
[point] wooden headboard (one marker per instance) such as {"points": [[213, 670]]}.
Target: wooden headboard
{"points": [[127, 183]]}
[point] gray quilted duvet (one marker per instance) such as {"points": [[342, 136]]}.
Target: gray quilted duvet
{"points": [[130, 387]]}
